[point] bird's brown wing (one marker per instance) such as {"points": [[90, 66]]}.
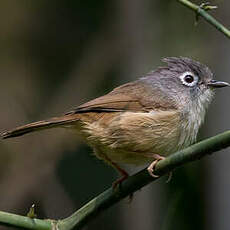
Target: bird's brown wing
{"points": [[109, 103], [134, 96]]}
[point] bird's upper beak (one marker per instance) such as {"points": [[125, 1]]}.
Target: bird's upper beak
{"points": [[217, 84]]}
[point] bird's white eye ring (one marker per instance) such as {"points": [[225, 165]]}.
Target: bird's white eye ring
{"points": [[188, 79]]}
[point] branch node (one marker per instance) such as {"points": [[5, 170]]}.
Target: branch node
{"points": [[203, 6], [54, 224]]}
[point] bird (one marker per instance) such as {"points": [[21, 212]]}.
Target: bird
{"points": [[142, 121]]}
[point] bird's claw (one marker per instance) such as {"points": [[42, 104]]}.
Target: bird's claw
{"points": [[152, 166]]}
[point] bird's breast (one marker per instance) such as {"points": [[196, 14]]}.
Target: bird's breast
{"points": [[133, 137]]}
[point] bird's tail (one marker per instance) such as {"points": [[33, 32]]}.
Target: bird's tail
{"points": [[40, 125]]}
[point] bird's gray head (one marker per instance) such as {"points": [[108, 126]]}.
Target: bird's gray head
{"points": [[188, 86], [185, 81]]}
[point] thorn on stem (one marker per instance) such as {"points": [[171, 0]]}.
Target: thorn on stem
{"points": [[204, 6], [31, 214]]}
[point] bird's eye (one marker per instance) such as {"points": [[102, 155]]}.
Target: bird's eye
{"points": [[188, 79]]}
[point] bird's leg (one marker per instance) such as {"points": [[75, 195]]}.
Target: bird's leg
{"points": [[124, 174], [152, 166]]}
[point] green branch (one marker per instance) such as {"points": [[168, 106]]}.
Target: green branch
{"points": [[131, 185], [202, 11], [24, 222]]}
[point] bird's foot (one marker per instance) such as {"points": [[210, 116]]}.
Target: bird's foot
{"points": [[152, 166]]}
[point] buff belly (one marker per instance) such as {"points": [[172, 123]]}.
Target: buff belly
{"points": [[133, 137]]}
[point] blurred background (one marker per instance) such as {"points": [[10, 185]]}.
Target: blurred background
{"points": [[55, 55]]}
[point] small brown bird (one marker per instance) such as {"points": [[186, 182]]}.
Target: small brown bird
{"points": [[141, 121]]}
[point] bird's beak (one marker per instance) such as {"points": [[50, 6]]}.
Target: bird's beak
{"points": [[217, 84]]}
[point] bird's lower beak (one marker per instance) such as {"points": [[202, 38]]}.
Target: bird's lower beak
{"points": [[217, 84]]}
